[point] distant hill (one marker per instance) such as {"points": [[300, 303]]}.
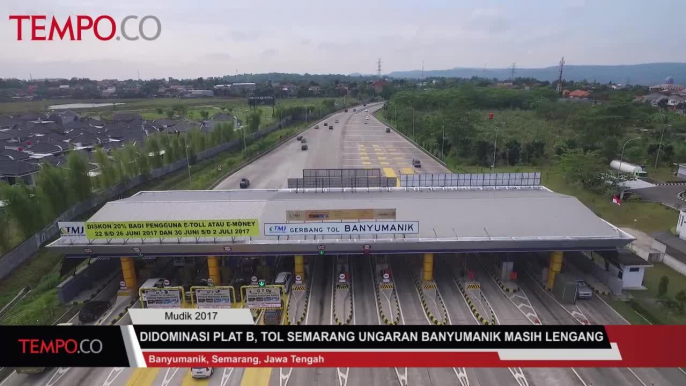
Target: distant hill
{"points": [[645, 74]]}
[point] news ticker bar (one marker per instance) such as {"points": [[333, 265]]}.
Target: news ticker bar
{"points": [[343, 346]]}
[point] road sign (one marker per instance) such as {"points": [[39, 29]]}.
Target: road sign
{"points": [[298, 279], [166, 282], [261, 283], [122, 284], [263, 297], [210, 282], [227, 248], [386, 277], [341, 278], [161, 298], [161, 229], [212, 298], [473, 286], [321, 247]]}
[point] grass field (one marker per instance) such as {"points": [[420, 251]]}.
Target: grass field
{"points": [[646, 299], [663, 173]]}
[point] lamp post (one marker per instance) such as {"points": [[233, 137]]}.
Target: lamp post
{"points": [[621, 157], [188, 161], [659, 147]]}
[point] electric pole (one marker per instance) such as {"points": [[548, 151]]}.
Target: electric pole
{"points": [[559, 79], [378, 68], [512, 78]]}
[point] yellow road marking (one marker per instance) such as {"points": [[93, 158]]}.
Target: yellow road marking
{"points": [[389, 172], [188, 380], [256, 376], [142, 377], [382, 158], [375, 145], [407, 171], [366, 163], [366, 158], [383, 163]]}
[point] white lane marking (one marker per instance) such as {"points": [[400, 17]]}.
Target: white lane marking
{"points": [[639, 379], [226, 375], [169, 375], [402, 377], [518, 375], [579, 376], [343, 376], [284, 378], [110, 379], [13, 373], [578, 315], [58, 374], [461, 375], [612, 308]]}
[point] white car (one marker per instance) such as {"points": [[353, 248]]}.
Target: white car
{"points": [[202, 372], [285, 279], [367, 117]]}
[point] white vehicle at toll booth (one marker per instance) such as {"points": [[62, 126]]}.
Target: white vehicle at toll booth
{"points": [[202, 372], [285, 279]]}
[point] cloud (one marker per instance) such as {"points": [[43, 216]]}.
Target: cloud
{"points": [[305, 42], [269, 54], [245, 36], [219, 56]]}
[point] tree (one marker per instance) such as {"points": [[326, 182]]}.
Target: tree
{"points": [[205, 114], [159, 110], [663, 287], [170, 114], [53, 189], [79, 181], [23, 206], [108, 172], [254, 119], [180, 109], [681, 298], [513, 152], [152, 147], [585, 168]]}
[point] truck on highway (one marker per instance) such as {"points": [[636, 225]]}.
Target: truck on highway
{"points": [[626, 167]]}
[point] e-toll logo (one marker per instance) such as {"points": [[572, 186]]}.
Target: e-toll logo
{"points": [[103, 27], [60, 346]]}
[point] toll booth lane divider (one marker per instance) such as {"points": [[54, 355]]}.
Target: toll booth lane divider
{"points": [[488, 269], [350, 300], [476, 313], [427, 311], [381, 313], [301, 319], [122, 313], [596, 290]]}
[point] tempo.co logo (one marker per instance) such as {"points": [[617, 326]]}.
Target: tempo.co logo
{"points": [[103, 27], [60, 346]]}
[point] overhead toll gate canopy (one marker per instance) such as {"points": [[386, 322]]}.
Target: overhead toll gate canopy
{"points": [[374, 220]]}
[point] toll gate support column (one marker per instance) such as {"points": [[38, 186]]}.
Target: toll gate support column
{"points": [[213, 267], [299, 266], [128, 270], [428, 271], [554, 268]]}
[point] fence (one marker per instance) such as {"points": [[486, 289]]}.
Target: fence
{"points": [[341, 182], [339, 173], [26, 249], [470, 179]]}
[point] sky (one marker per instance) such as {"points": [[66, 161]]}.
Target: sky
{"points": [[224, 37]]}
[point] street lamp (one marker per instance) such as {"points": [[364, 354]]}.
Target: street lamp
{"points": [[660, 145], [621, 157], [188, 161]]}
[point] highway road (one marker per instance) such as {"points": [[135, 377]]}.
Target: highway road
{"points": [[356, 144]]}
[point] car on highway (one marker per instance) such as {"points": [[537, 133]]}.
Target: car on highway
{"points": [[367, 118], [354, 110], [304, 140], [331, 127], [416, 163], [300, 137], [365, 122], [92, 310], [346, 110], [336, 121], [316, 126], [285, 279], [245, 183], [583, 291], [201, 372], [366, 110], [388, 129], [303, 147], [326, 123]]}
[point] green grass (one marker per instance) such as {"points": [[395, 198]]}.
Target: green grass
{"points": [[630, 314], [663, 173]]}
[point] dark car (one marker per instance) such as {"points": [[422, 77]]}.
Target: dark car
{"points": [[364, 104], [303, 147], [245, 183], [416, 163], [326, 123], [346, 110], [299, 137], [354, 110], [331, 127], [92, 310], [388, 129], [304, 140]]}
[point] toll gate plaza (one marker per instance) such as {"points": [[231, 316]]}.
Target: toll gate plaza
{"points": [[382, 223]]}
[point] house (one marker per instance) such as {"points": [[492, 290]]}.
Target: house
{"points": [[239, 88], [13, 154], [109, 92], [53, 137], [625, 265], [314, 89], [162, 124], [11, 171], [579, 94], [85, 140], [46, 148], [184, 127], [68, 116], [126, 117], [379, 85]]}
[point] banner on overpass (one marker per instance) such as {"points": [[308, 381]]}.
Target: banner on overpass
{"points": [[342, 228], [340, 214], [171, 228]]}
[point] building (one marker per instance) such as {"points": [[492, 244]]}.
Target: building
{"points": [[201, 93], [622, 264], [11, 171], [579, 94], [239, 88], [379, 85]]}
